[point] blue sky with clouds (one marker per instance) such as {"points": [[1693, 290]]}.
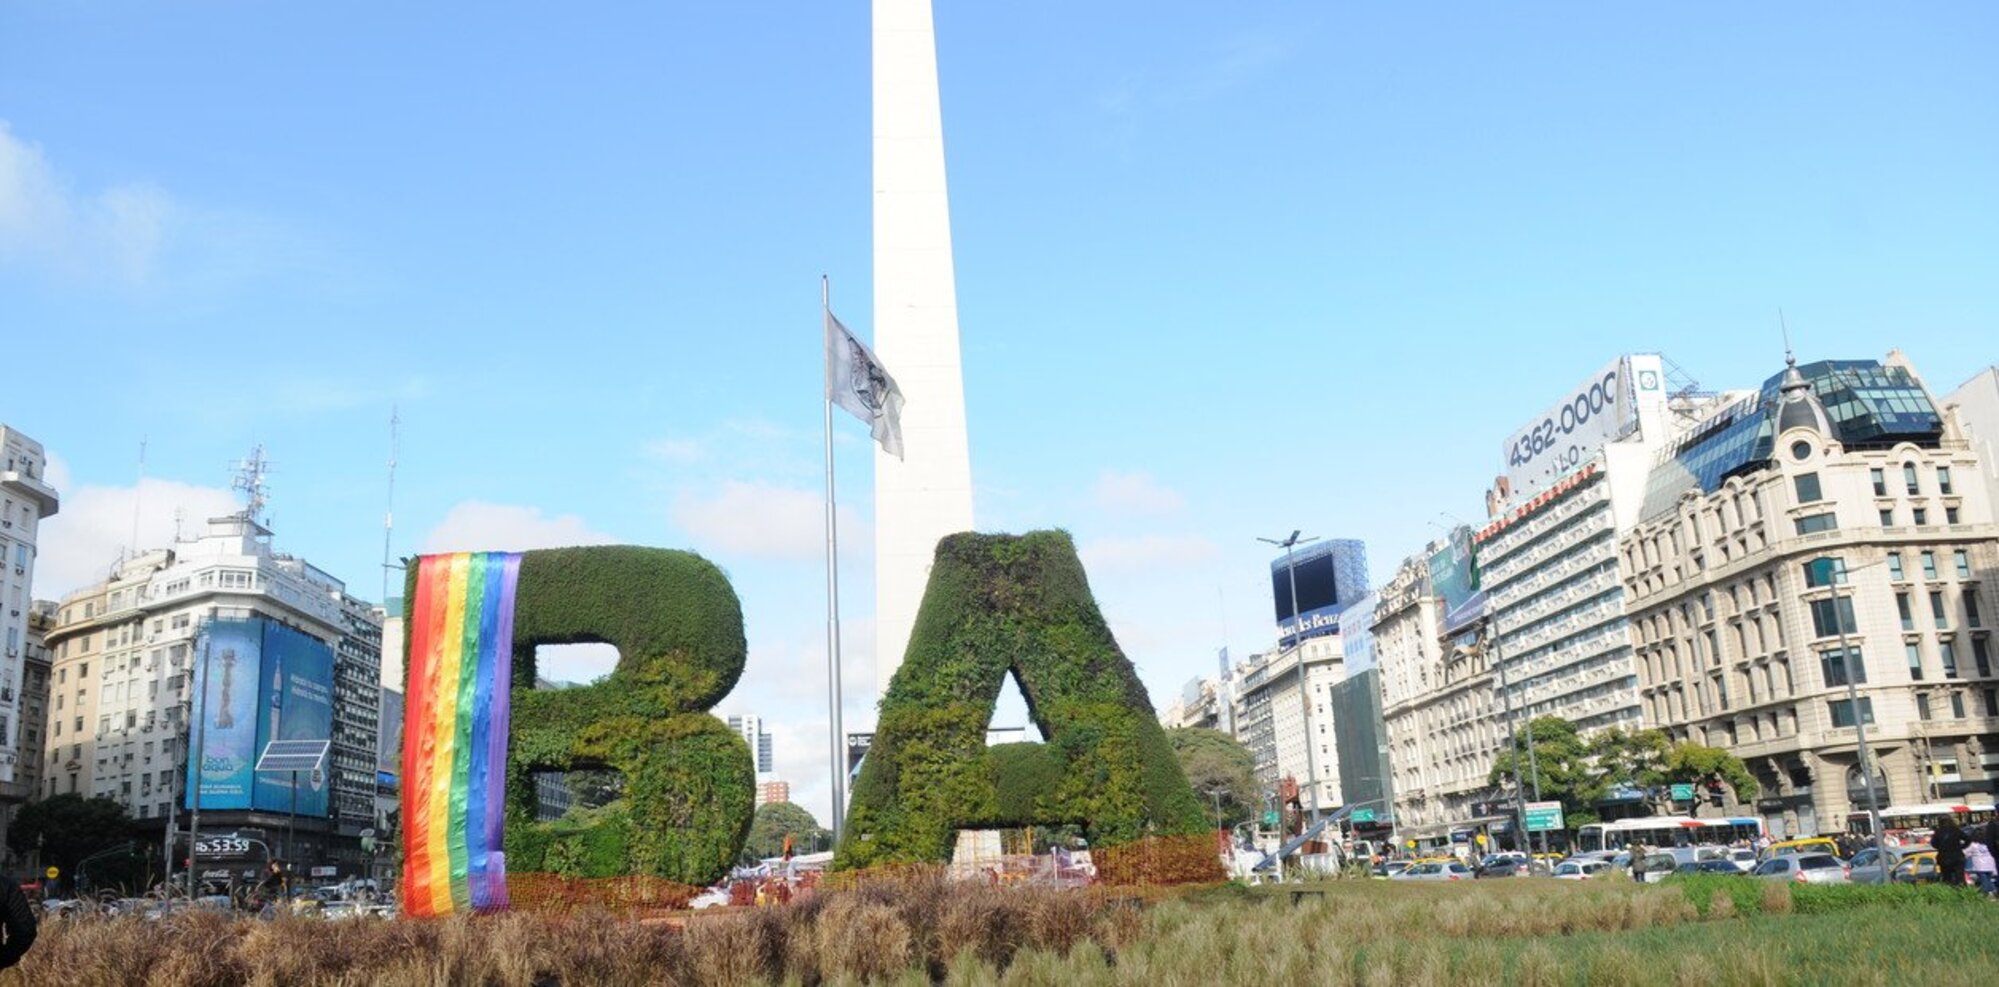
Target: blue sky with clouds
{"points": [[1224, 270]]}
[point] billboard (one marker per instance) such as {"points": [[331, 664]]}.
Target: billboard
{"points": [[294, 703], [1330, 576], [258, 681], [1602, 409], [1455, 580], [224, 718]]}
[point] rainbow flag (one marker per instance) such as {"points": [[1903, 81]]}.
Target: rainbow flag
{"points": [[456, 717]]}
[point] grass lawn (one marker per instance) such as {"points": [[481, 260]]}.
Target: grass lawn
{"points": [[922, 929]]}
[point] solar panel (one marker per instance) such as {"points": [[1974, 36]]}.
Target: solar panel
{"points": [[293, 755]]}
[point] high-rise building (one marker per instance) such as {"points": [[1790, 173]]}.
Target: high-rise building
{"points": [[751, 728], [34, 695], [1277, 722], [25, 500], [927, 492], [1827, 531], [126, 656], [773, 792]]}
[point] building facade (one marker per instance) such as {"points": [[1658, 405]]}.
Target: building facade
{"points": [[750, 727], [1976, 403], [1276, 722], [124, 662], [1827, 532], [26, 500], [773, 792]]}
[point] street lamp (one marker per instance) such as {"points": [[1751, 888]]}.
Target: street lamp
{"points": [[1835, 580], [1288, 543]]}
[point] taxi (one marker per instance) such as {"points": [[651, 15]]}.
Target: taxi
{"points": [[1916, 868], [1810, 844]]}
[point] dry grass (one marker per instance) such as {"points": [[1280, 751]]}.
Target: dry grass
{"points": [[918, 928]]}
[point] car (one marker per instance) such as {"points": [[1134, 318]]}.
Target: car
{"points": [[1804, 868], [1872, 865], [1743, 858], [1389, 868], [1581, 869], [1711, 866], [1917, 867], [1809, 844], [1435, 871], [1502, 867]]}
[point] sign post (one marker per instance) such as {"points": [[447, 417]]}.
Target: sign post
{"points": [[1544, 817], [1683, 793]]}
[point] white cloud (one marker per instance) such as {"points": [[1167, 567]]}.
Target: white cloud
{"points": [[762, 520], [671, 449], [1144, 553], [1134, 493], [83, 540], [122, 229], [477, 526]]}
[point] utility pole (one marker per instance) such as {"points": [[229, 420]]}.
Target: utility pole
{"points": [[1491, 641], [1298, 653], [1853, 704]]}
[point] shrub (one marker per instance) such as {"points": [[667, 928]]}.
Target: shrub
{"points": [[1820, 899]]}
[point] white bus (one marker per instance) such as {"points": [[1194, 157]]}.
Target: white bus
{"points": [[1666, 831], [1915, 823]]}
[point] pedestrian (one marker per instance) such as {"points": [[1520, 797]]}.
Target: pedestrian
{"points": [[17, 921], [1949, 844], [1979, 864], [1638, 862]]}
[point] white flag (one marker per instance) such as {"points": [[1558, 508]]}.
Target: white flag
{"points": [[856, 381]]}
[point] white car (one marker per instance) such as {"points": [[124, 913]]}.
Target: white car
{"points": [[1804, 868], [1435, 871], [1580, 870]]}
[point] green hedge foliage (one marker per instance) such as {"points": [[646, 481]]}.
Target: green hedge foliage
{"points": [[1021, 604], [690, 783]]}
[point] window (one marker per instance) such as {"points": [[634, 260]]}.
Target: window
{"points": [[1895, 566], [1936, 609], [1971, 615], [1816, 523], [1957, 705], [1922, 705], [1919, 516], [1950, 515], [1836, 666], [1880, 478], [1947, 652], [1835, 616], [1807, 485], [1943, 480], [1825, 571], [1801, 451], [1914, 652], [1909, 478], [1842, 712], [1963, 560], [1887, 517], [1902, 607], [1979, 657], [1929, 565], [1992, 702]]}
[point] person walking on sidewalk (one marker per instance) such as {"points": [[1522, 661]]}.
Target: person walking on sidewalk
{"points": [[1978, 862], [1949, 844]]}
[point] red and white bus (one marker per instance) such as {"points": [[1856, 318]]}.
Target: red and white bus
{"points": [[1914, 823]]}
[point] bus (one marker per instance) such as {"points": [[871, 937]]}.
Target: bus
{"points": [[1915, 823], [1666, 831]]}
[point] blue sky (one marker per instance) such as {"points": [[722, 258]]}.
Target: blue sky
{"points": [[1223, 270]]}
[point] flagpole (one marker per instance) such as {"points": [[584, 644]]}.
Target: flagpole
{"points": [[835, 725]]}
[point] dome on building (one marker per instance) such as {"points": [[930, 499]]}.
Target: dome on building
{"points": [[1797, 406]]}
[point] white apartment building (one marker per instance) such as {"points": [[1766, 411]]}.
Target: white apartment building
{"points": [[1831, 529], [1976, 404], [122, 656], [25, 499], [1276, 723]]}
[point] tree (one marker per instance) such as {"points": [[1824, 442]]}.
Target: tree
{"points": [[68, 828], [1562, 759], [1220, 769], [776, 820], [1691, 762], [1634, 761]]}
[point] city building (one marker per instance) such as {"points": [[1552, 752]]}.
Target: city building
{"points": [[751, 728], [923, 491], [1977, 405], [772, 792], [1360, 751], [25, 500], [1201, 703], [34, 696], [1275, 722], [278, 636], [1824, 537]]}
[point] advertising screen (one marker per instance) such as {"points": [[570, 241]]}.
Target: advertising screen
{"points": [[1331, 575], [224, 727], [294, 702]]}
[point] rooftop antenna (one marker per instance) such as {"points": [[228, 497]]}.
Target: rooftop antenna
{"points": [[180, 516], [1789, 359], [389, 512], [250, 475]]}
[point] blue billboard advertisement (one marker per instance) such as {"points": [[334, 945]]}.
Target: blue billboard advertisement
{"points": [[224, 727], [1455, 578], [259, 681]]}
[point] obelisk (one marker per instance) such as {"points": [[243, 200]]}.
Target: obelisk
{"points": [[928, 493]]}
